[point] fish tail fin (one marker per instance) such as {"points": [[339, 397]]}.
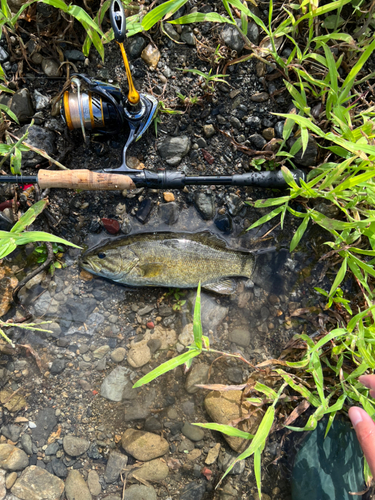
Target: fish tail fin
{"points": [[248, 265]]}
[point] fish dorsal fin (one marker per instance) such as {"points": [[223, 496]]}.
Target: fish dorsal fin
{"points": [[151, 269], [226, 286], [206, 238]]}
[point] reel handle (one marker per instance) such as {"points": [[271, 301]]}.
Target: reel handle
{"points": [[118, 20]]}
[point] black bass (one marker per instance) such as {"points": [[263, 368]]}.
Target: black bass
{"points": [[177, 260]]}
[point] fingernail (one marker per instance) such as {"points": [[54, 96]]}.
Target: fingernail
{"points": [[355, 416]]}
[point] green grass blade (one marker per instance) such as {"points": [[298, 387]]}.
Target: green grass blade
{"points": [[199, 17], [299, 233], [197, 323], [339, 277], [34, 236], [271, 202], [266, 218], [164, 10], [29, 216], [167, 366], [228, 430], [7, 248]]}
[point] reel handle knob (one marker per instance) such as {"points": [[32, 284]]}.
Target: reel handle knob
{"points": [[118, 20]]}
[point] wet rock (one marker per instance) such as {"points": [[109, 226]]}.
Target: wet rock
{"points": [[41, 101], [50, 67], [76, 487], [59, 468], [212, 454], [155, 471], [144, 446], [168, 197], [46, 305], [240, 336], [212, 314], [171, 32], [27, 444], [173, 149], [93, 452], [44, 425], [205, 204], [230, 493], [257, 141], [145, 310], [12, 458], [197, 375], [151, 56], [152, 424], [144, 210], [187, 36], [3, 491], [269, 133], [139, 355], [235, 375], [223, 223], [36, 483], [279, 127], [135, 46], [115, 465], [4, 56], [308, 159], [74, 55], [232, 38], [169, 213], [185, 446], [224, 407], [52, 449], [11, 432], [209, 130], [193, 491], [187, 336], [75, 446], [192, 432], [118, 355], [58, 366], [93, 483], [112, 226], [136, 492], [126, 225], [260, 97], [40, 138], [113, 385], [234, 204]]}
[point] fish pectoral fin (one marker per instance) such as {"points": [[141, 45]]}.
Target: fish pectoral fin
{"points": [[151, 269], [225, 286]]}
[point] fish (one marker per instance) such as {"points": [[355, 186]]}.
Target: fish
{"points": [[168, 259]]}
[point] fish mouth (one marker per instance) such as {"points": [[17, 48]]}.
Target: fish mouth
{"points": [[88, 264]]}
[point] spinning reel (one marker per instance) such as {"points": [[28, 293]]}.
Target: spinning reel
{"points": [[103, 107]]}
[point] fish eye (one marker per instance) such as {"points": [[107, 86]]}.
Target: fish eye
{"points": [[101, 255]]}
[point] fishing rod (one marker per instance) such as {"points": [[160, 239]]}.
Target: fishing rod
{"points": [[94, 105]]}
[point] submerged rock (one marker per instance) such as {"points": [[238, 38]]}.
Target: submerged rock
{"points": [[205, 204], [36, 483], [12, 458], [173, 149], [76, 487], [144, 446], [75, 446], [114, 383]]}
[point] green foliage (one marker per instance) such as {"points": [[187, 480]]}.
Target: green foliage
{"points": [[9, 240], [208, 78]]}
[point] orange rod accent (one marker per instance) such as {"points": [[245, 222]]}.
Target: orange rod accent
{"points": [[133, 96], [67, 111]]}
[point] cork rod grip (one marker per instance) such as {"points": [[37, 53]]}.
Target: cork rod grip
{"points": [[84, 179]]}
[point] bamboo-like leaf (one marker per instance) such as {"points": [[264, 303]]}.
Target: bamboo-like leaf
{"points": [[162, 11], [266, 218], [29, 217], [7, 247], [271, 202], [227, 429], [199, 17], [7, 110], [197, 323], [339, 277], [299, 233], [167, 366], [299, 388]]}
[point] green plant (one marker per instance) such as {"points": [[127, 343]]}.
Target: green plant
{"points": [[9, 240], [209, 79], [42, 254], [162, 108]]}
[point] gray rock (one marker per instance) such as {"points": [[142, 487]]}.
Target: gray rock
{"points": [[232, 38], [279, 127], [126, 225], [140, 492], [308, 159], [101, 351], [209, 130], [50, 67], [145, 310], [12, 458], [75, 446], [257, 141], [41, 101], [197, 375], [225, 459], [171, 32], [193, 491], [253, 122], [205, 204], [27, 444], [3, 490], [40, 138], [115, 465], [76, 487], [192, 432], [235, 375], [52, 449], [174, 148], [185, 446], [253, 32], [21, 105], [59, 468], [212, 314], [36, 483], [155, 471], [58, 366], [187, 36], [169, 213], [135, 46], [118, 355], [152, 424], [93, 483], [45, 422], [229, 493], [260, 97], [74, 55], [11, 432], [240, 336], [113, 385]]}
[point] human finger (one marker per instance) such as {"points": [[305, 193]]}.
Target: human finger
{"points": [[365, 430], [369, 382]]}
